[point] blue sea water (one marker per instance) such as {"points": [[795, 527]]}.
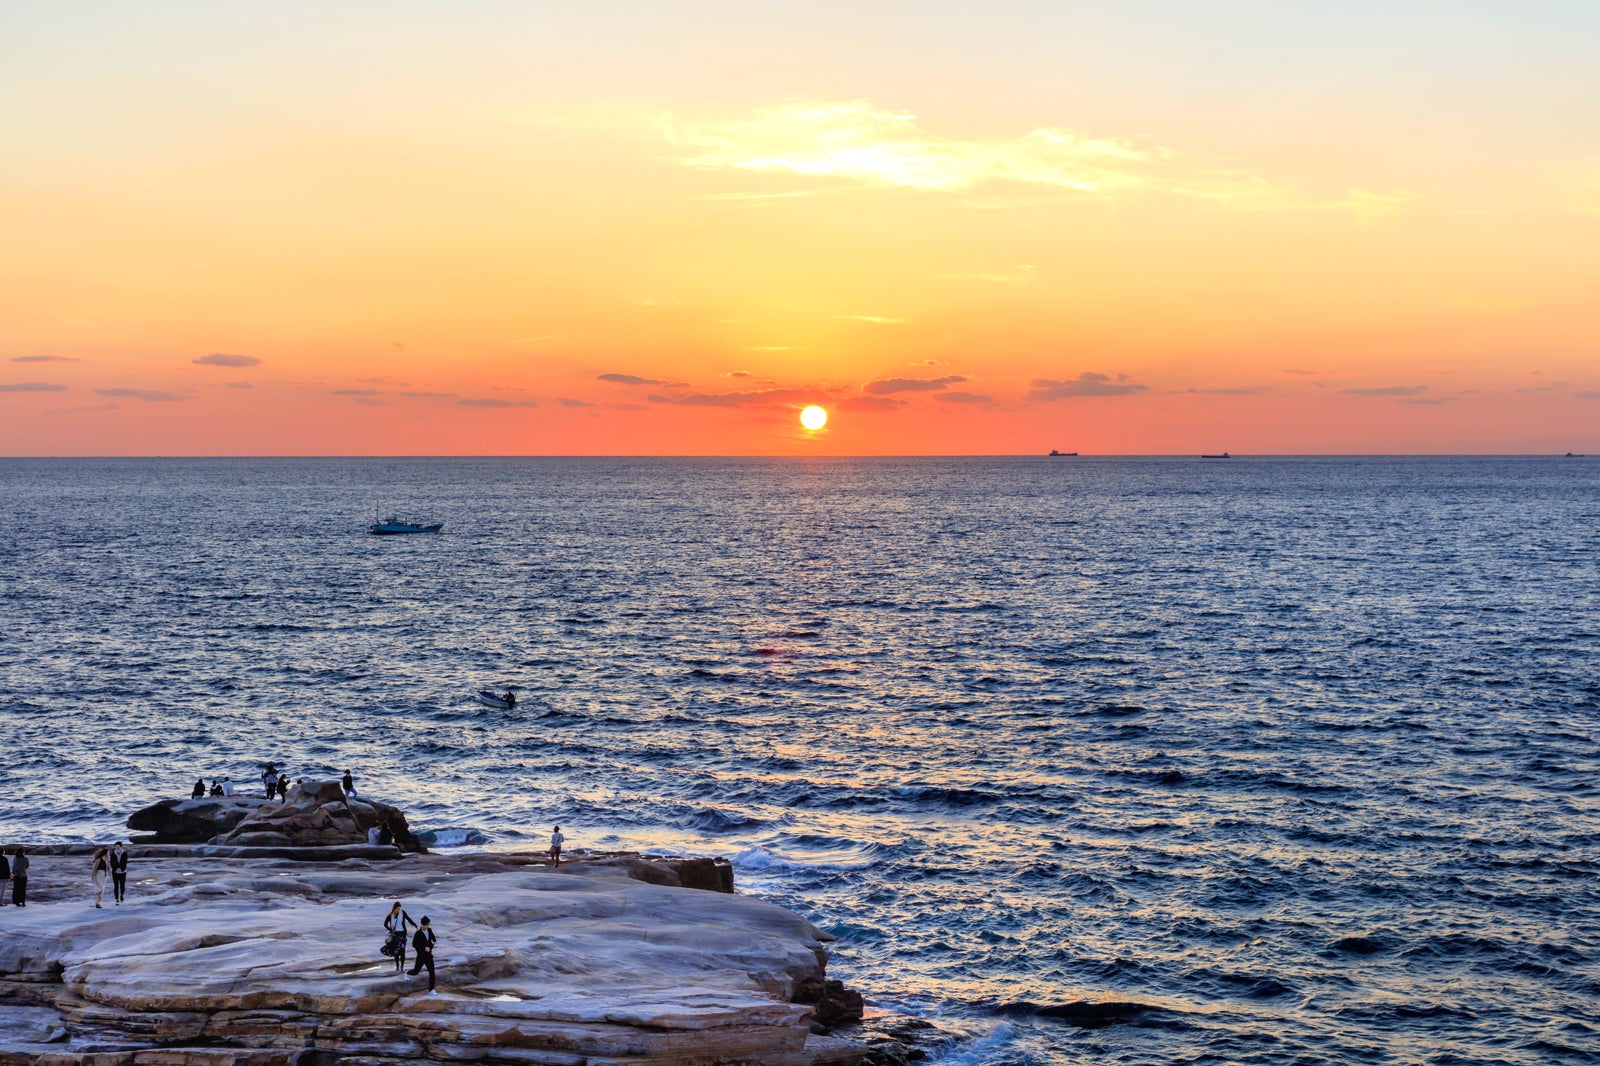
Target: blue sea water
{"points": [[1295, 758]]}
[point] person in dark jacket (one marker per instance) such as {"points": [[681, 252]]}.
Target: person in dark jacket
{"points": [[19, 877], [199, 790], [5, 875], [423, 943], [119, 871]]}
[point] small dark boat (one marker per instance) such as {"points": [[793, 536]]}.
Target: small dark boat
{"points": [[1063, 455], [500, 701], [1570, 455], [1224, 455]]}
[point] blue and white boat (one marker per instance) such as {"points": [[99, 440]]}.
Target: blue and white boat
{"points": [[394, 524], [503, 702]]}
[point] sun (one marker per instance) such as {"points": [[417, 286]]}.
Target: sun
{"points": [[813, 418]]}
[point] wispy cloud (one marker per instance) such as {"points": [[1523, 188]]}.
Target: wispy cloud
{"points": [[1303, 373], [963, 397], [1387, 390], [877, 320], [761, 398], [1370, 208], [869, 403], [930, 363], [855, 141], [239, 385], [568, 402], [629, 379], [357, 392], [1588, 394], [495, 402], [1022, 275], [1088, 383], [33, 386], [224, 359], [44, 359], [148, 395], [887, 385]]}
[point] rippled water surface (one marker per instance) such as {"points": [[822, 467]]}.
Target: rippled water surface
{"points": [[1294, 758]]}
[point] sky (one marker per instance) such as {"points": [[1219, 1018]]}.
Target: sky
{"points": [[640, 228]]}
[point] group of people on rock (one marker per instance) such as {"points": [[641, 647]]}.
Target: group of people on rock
{"points": [[276, 784], [111, 860]]}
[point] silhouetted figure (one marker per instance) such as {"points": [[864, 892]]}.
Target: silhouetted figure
{"points": [[423, 943], [5, 874], [556, 840], [283, 789], [119, 872], [19, 877], [511, 700], [269, 778], [385, 832], [199, 790], [349, 784], [216, 787]]}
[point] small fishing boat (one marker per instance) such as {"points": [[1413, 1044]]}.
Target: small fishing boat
{"points": [[394, 524], [503, 701]]}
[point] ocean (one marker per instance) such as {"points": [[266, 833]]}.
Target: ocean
{"points": [[1295, 759]]}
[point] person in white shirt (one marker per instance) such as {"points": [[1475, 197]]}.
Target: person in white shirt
{"points": [[227, 787], [556, 840]]}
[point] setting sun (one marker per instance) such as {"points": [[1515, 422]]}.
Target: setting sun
{"points": [[813, 417]]}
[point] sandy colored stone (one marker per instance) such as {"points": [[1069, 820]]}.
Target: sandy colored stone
{"points": [[219, 957]]}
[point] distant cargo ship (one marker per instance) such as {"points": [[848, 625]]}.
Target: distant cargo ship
{"points": [[1224, 455], [1063, 455]]}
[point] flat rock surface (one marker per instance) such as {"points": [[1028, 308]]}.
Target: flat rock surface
{"points": [[215, 955]]}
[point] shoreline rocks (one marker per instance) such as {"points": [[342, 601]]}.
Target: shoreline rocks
{"points": [[317, 814], [230, 961]]}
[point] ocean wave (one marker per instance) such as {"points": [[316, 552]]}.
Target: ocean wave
{"points": [[452, 838]]}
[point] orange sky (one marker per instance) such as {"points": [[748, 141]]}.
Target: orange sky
{"points": [[524, 229]]}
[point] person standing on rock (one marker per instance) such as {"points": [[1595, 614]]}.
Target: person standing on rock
{"points": [[556, 840], [19, 877], [98, 868], [5, 875], [269, 778], [119, 872], [395, 923], [349, 784], [423, 942]]}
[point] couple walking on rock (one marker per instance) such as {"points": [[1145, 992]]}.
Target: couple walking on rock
{"points": [[422, 942], [113, 860]]}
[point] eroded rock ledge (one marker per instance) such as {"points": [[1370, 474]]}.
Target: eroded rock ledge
{"points": [[271, 962]]}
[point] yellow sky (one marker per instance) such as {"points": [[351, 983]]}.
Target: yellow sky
{"points": [[524, 229]]}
